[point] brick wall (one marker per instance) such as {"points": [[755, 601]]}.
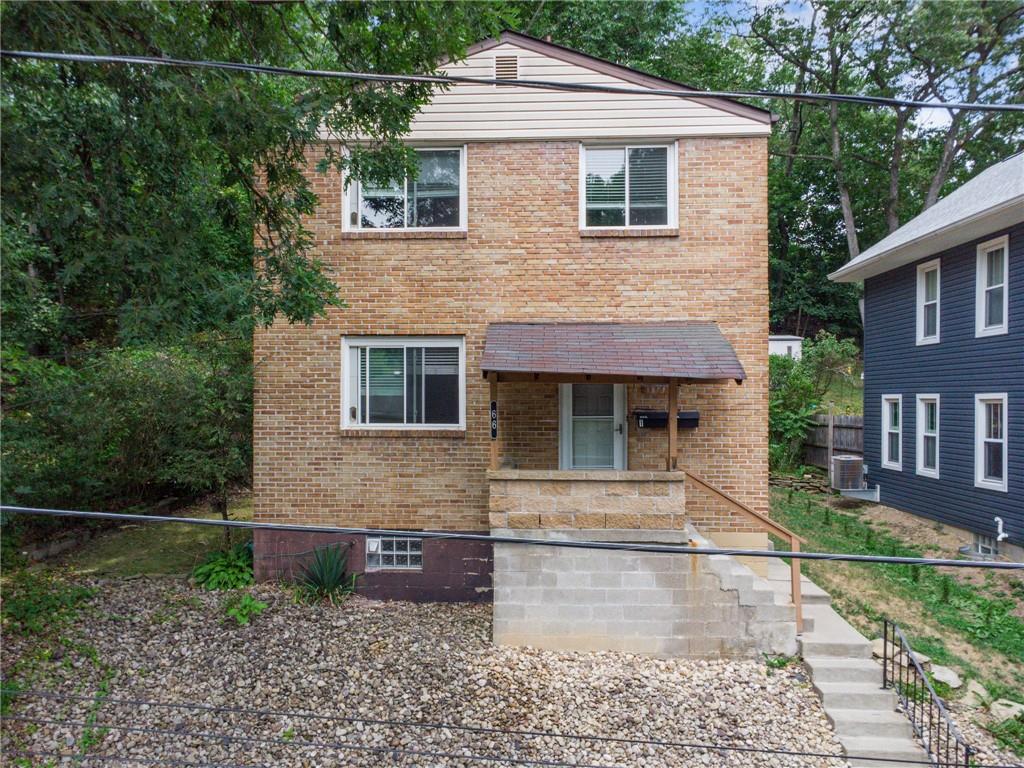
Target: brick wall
{"points": [[523, 259]]}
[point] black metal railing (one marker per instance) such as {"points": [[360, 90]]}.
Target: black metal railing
{"points": [[902, 671]]}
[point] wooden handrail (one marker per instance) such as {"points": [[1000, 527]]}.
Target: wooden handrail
{"points": [[779, 530]]}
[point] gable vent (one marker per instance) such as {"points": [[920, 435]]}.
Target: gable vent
{"points": [[506, 67]]}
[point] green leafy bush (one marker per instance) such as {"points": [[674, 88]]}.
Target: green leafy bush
{"points": [[795, 391], [231, 569], [325, 577], [243, 608], [37, 602], [127, 426]]}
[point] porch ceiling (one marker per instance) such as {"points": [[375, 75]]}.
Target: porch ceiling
{"points": [[654, 352]]}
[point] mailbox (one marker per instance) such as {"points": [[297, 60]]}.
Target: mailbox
{"points": [[646, 419]]}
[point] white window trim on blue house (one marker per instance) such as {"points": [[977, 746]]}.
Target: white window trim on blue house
{"points": [[980, 290], [922, 405], [887, 429], [922, 302], [980, 401]]}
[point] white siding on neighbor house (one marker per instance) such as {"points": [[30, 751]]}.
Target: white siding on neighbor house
{"points": [[489, 112]]}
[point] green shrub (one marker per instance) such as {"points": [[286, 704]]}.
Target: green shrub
{"points": [[231, 569], [126, 426], [243, 608], [795, 390], [325, 577], [37, 602]]}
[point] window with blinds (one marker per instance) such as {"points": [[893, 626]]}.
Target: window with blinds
{"points": [[404, 382], [433, 200], [626, 186]]}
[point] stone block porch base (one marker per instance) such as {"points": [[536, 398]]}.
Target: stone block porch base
{"points": [[658, 604]]}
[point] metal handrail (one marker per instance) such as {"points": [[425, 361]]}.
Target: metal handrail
{"points": [[947, 747]]}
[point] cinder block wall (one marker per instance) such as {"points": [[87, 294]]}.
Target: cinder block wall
{"points": [[523, 259], [660, 604]]}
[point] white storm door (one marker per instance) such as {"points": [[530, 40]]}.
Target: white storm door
{"points": [[592, 431]]}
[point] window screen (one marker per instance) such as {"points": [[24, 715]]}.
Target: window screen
{"points": [[626, 186], [432, 200], [405, 384]]}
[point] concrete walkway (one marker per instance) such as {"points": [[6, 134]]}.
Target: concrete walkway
{"points": [[849, 681]]}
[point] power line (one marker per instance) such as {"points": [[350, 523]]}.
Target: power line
{"points": [[307, 744], [668, 744], [78, 757], [878, 101], [452, 727], [663, 549]]}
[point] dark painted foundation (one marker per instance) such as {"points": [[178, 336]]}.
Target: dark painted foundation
{"points": [[453, 571]]}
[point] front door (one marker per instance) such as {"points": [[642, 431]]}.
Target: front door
{"points": [[593, 426]]}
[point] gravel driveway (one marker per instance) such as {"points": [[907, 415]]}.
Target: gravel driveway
{"points": [[161, 641]]}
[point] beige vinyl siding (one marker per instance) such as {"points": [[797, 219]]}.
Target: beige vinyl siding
{"points": [[488, 112]]}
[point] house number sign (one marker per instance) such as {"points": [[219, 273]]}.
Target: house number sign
{"points": [[494, 419]]}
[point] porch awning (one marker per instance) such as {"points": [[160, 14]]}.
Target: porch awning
{"points": [[655, 352]]}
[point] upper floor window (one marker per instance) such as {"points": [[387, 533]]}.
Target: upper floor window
{"points": [[404, 382], [436, 199], [990, 454], [631, 186], [928, 303], [892, 429], [928, 435], [992, 278]]}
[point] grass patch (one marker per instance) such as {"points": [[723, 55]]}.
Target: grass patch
{"points": [[140, 549], [39, 602], [956, 623], [1010, 734], [846, 394]]}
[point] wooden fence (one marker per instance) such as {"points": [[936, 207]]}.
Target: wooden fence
{"points": [[847, 438]]}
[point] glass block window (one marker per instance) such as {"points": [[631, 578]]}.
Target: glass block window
{"points": [[394, 553]]}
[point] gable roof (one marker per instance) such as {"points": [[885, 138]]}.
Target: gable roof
{"points": [[992, 200], [628, 74]]}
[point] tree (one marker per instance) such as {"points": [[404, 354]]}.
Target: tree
{"points": [[131, 196]]}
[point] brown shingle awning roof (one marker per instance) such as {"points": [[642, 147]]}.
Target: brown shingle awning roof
{"points": [[681, 349]]}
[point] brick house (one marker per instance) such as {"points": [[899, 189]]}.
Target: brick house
{"points": [[588, 263]]}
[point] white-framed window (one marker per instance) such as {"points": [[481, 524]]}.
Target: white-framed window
{"points": [[986, 546], [435, 200], [992, 301], [928, 435], [928, 302], [404, 382], [990, 449], [632, 186], [892, 431], [394, 553]]}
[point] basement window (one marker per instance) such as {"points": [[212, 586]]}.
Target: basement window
{"points": [[394, 553]]}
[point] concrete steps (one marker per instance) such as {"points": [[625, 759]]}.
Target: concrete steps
{"points": [[849, 682]]}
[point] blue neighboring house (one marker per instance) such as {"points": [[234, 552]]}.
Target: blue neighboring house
{"points": [[944, 361]]}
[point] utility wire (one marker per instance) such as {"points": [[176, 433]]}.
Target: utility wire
{"points": [[78, 758], [663, 549], [451, 727], [877, 101], [702, 746], [307, 744]]}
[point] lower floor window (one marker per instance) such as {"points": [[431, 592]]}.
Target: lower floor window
{"points": [[384, 552], [928, 435], [404, 382], [990, 441]]}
